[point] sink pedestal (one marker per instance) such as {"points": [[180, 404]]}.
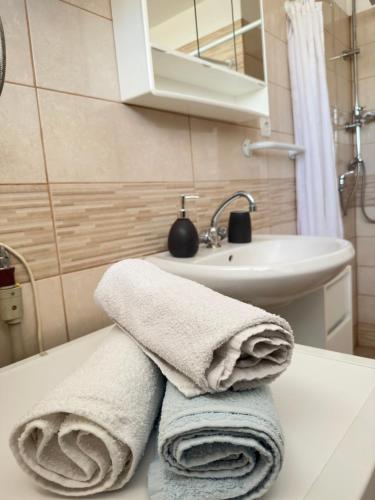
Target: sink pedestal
{"points": [[323, 318]]}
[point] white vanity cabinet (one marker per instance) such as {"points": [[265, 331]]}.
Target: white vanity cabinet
{"points": [[324, 317], [325, 401], [202, 57]]}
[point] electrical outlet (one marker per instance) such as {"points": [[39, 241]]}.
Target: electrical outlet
{"points": [[265, 126], [11, 310]]}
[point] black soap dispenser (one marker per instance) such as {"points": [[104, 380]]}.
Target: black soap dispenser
{"points": [[183, 239]]}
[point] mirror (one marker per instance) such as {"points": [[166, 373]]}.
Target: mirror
{"points": [[223, 32]]}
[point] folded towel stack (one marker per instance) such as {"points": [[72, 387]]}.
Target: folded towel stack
{"points": [[90, 433], [218, 445], [219, 436], [202, 341]]}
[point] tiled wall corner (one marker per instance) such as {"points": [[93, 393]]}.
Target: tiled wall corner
{"points": [[365, 230]]}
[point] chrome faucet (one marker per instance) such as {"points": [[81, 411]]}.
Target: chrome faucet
{"points": [[215, 234]]}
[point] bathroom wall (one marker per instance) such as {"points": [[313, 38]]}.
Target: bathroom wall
{"points": [[365, 230], [86, 181]]}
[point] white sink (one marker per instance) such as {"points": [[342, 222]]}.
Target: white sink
{"points": [[269, 270]]}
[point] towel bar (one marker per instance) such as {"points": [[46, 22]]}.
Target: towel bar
{"points": [[293, 150]]}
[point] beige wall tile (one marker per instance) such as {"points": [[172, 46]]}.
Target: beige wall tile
{"points": [[332, 87], [366, 309], [217, 154], [21, 158], [328, 15], [366, 336], [366, 251], [101, 7], [285, 228], [278, 163], [368, 132], [280, 109], [342, 66], [349, 223], [368, 153], [102, 223], [13, 15], [344, 93], [52, 315], [73, 50], [366, 352], [363, 228], [26, 225], [369, 192], [366, 280], [93, 140], [341, 25], [329, 44], [366, 61], [367, 97], [275, 18], [6, 356], [342, 136], [83, 315], [277, 61], [281, 196], [344, 154], [366, 27]]}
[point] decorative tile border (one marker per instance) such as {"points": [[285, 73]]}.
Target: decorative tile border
{"points": [[26, 225], [97, 224], [281, 201], [212, 193]]}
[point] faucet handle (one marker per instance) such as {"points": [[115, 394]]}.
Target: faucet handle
{"points": [[204, 237], [222, 232], [211, 238]]}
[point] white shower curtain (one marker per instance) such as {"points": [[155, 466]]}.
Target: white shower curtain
{"points": [[318, 204]]}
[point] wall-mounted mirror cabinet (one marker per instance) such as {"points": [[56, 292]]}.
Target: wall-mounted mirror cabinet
{"points": [[200, 57]]}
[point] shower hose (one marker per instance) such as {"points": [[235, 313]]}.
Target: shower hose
{"points": [[2, 57]]}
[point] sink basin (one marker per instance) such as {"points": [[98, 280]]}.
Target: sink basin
{"points": [[269, 270]]}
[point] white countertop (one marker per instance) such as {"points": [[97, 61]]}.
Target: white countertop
{"points": [[326, 403]]}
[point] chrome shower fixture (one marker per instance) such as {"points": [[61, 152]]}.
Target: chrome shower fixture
{"points": [[345, 54], [3, 57], [361, 117], [367, 116]]}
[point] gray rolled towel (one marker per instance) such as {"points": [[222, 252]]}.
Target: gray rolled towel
{"points": [[202, 341], [216, 446], [89, 434]]}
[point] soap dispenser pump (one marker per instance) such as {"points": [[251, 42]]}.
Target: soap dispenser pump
{"points": [[183, 239]]}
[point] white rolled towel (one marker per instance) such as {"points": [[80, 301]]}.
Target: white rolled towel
{"points": [[89, 434], [201, 340]]}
